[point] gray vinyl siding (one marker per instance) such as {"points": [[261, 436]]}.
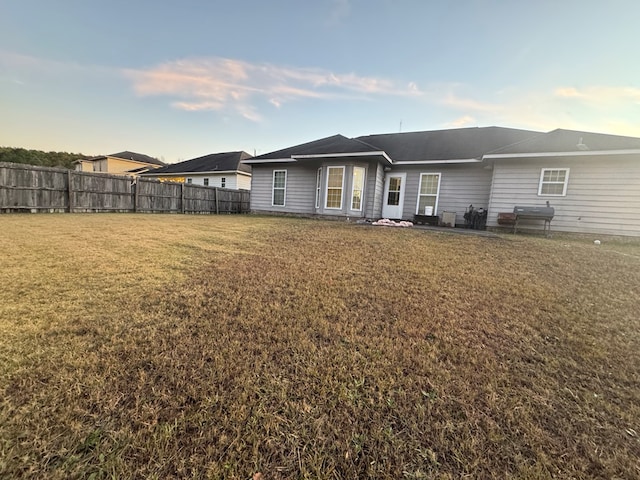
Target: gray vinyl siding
{"points": [[378, 191], [300, 195], [603, 194], [300, 188], [460, 186]]}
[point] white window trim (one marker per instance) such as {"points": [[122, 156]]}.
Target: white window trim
{"points": [[435, 207], [318, 186], [273, 189], [326, 190], [353, 176], [564, 186]]}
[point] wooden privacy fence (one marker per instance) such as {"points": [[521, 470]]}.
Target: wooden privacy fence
{"points": [[28, 188]]}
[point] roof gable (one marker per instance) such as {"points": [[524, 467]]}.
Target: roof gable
{"points": [[336, 144], [222, 162]]}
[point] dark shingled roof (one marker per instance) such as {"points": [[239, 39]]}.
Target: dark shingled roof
{"points": [[570, 141], [329, 145], [136, 157], [458, 144], [220, 162], [455, 144]]}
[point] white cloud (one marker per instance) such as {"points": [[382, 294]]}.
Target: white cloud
{"points": [[605, 109], [463, 121], [250, 90], [600, 94], [224, 84]]}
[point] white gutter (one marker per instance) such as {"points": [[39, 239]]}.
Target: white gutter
{"points": [[275, 160], [437, 162], [579, 153], [342, 155], [180, 174]]}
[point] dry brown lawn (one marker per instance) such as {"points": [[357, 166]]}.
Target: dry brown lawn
{"points": [[166, 346]]}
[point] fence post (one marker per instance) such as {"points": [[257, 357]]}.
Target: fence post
{"points": [[136, 194], [70, 190], [182, 197], [217, 205]]}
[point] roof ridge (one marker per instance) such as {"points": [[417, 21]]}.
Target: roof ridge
{"points": [[357, 139], [528, 139]]}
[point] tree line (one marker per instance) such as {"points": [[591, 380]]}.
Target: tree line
{"points": [[38, 157]]}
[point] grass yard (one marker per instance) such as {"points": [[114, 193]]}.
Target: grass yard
{"points": [[245, 347]]}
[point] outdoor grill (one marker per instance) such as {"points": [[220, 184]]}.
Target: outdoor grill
{"points": [[534, 213]]}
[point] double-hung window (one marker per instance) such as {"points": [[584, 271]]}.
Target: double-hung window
{"points": [[279, 188], [553, 182], [335, 185], [428, 194], [357, 188]]}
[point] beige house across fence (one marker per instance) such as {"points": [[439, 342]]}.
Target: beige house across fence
{"points": [[122, 163]]}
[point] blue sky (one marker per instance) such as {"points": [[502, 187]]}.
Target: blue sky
{"points": [[180, 79]]}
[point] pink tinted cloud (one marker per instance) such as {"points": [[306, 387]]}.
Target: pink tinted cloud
{"points": [[235, 85]]}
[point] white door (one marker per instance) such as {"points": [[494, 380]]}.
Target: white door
{"points": [[393, 195]]}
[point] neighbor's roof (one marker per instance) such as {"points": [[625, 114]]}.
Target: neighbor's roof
{"points": [[459, 143], [136, 157], [570, 141], [334, 145], [220, 162]]}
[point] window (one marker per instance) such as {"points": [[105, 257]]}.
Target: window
{"points": [[553, 182], [279, 187], [206, 182], [189, 180], [335, 179], [223, 182], [395, 184], [428, 194], [357, 188], [318, 184]]}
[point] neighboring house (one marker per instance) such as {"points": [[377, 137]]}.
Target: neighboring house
{"points": [[123, 163], [226, 170], [592, 180]]}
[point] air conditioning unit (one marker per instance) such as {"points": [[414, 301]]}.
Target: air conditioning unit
{"points": [[448, 219]]}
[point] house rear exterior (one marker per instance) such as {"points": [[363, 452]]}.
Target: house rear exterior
{"points": [[592, 180], [394, 176]]}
